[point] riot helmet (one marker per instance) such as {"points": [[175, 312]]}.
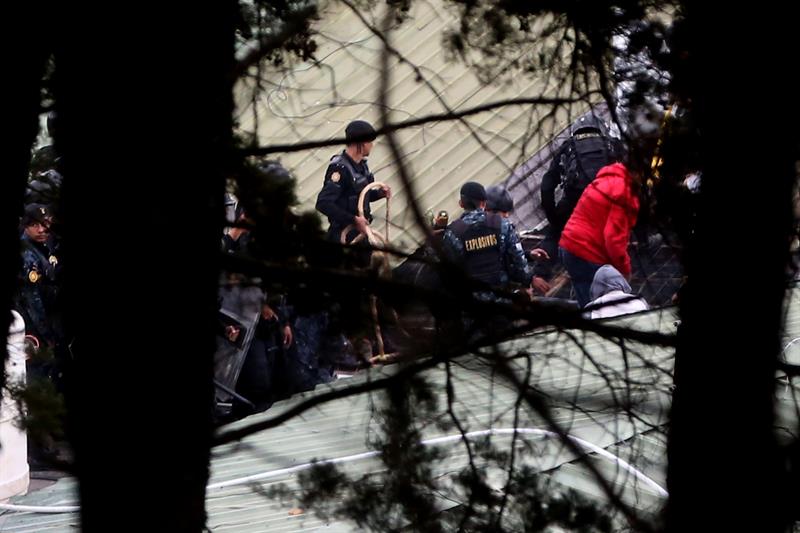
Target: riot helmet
{"points": [[499, 199], [589, 123]]}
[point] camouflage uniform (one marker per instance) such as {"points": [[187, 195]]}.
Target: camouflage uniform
{"points": [[488, 248]]}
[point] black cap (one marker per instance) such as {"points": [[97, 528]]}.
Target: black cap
{"points": [[359, 131], [36, 213], [472, 190], [498, 199]]}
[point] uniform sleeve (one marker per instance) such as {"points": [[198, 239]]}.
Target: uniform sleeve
{"points": [[514, 256], [376, 194], [30, 304], [550, 181], [328, 198], [452, 248]]}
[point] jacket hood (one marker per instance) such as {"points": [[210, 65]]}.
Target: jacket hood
{"points": [[606, 279]]}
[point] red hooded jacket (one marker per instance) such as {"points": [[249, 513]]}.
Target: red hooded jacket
{"points": [[600, 226]]}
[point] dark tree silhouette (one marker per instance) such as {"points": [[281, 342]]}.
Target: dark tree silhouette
{"points": [[723, 453], [145, 105]]}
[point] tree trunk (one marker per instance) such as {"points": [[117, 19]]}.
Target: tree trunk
{"points": [[145, 111], [725, 469], [24, 59]]}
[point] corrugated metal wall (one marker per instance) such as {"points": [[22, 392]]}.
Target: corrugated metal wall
{"points": [[316, 102]]}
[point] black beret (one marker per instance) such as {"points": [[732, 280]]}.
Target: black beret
{"points": [[474, 191], [359, 131], [498, 199], [36, 213]]}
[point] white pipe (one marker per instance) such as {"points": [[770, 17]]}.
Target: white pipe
{"points": [[790, 343], [292, 469], [366, 455], [451, 438], [40, 508]]}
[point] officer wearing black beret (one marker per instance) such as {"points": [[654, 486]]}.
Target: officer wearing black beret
{"points": [[36, 297], [345, 178]]}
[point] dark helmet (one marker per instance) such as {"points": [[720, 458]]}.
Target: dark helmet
{"points": [[44, 159], [276, 174], [359, 131], [588, 123], [51, 176], [498, 199], [40, 192]]}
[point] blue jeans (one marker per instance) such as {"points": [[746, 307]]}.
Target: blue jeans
{"points": [[581, 273]]}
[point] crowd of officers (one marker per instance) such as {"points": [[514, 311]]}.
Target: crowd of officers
{"points": [[588, 196]]}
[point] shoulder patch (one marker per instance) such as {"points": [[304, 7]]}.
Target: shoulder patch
{"points": [[33, 276], [335, 177]]}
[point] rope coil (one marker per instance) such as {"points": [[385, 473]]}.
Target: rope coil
{"points": [[378, 259], [374, 238]]}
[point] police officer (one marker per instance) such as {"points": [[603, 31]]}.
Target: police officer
{"points": [[345, 178], [257, 380], [485, 244], [498, 200], [36, 298], [588, 149]]}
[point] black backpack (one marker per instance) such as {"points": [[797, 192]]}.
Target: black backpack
{"points": [[587, 153]]}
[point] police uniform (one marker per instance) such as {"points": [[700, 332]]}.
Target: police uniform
{"points": [[36, 298], [488, 248], [486, 245], [344, 181]]}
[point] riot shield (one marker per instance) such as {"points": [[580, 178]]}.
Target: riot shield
{"points": [[230, 354]]}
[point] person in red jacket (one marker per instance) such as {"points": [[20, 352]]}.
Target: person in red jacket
{"points": [[598, 231]]}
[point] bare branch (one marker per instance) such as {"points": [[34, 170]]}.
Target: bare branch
{"points": [[535, 402], [233, 435], [398, 126], [274, 41]]}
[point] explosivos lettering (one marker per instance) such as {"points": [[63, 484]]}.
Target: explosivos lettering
{"points": [[480, 243]]}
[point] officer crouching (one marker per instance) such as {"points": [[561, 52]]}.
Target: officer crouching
{"points": [[485, 245]]}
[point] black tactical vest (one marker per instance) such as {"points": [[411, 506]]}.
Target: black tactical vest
{"points": [[481, 248], [360, 180], [587, 154]]}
